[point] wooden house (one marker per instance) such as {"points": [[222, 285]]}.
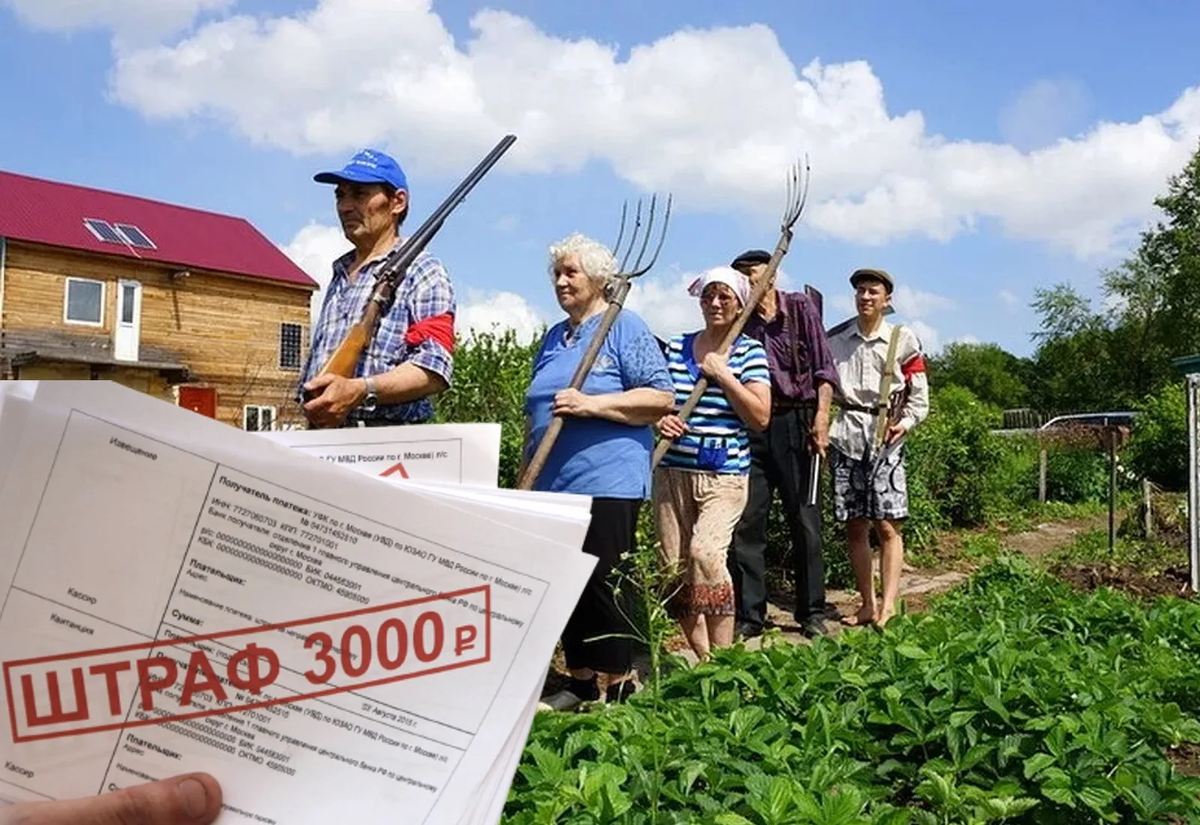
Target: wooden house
{"points": [[193, 307]]}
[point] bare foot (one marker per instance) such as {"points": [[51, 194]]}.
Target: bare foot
{"points": [[884, 616], [864, 616]]}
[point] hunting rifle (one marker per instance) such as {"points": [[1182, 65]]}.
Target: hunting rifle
{"points": [[344, 361], [616, 300], [797, 197]]}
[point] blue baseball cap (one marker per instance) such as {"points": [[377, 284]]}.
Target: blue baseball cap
{"points": [[368, 166]]}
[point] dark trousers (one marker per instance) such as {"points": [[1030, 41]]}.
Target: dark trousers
{"points": [[598, 634], [779, 460]]}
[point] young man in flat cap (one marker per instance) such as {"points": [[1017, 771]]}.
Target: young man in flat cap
{"points": [[883, 392], [411, 357], [802, 380]]}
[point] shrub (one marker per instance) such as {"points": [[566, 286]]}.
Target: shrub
{"points": [[1159, 444], [1076, 474], [491, 374], [953, 451]]}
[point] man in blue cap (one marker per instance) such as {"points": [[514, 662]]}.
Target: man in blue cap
{"points": [[411, 357]]}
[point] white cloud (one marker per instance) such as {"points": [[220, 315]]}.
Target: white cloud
{"points": [[131, 20], [916, 303], [1008, 297], [927, 335], [661, 299], [1043, 112], [497, 312], [964, 339], [314, 249], [669, 115]]}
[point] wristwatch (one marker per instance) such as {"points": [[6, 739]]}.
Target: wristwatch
{"points": [[371, 399]]}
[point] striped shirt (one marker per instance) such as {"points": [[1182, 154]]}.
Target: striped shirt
{"points": [[423, 293], [717, 439]]}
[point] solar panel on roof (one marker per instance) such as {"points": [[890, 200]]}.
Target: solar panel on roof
{"points": [[103, 231], [135, 236]]}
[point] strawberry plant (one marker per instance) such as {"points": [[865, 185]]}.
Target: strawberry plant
{"points": [[1015, 699]]}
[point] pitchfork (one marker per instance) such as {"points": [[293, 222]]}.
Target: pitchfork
{"points": [[639, 238], [797, 199]]}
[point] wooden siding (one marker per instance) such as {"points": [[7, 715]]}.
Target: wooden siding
{"points": [[224, 329]]}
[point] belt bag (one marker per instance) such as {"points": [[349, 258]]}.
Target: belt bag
{"points": [[713, 453]]}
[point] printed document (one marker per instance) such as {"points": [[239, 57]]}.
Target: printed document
{"points": [[456, 453], [179, 595]]}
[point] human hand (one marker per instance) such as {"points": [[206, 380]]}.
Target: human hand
{"points": [[188, 799], [818, 438], [336, 397], [573, 402], [671, 426], [895, 433], [715, 366]]}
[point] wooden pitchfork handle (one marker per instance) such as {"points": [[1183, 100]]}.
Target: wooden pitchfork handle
{"points": [[538, 462], [739, 323]]}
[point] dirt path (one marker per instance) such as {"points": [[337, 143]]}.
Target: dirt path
{"points": [[917, 585]]}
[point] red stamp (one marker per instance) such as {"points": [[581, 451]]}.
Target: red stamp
{"points": [[187, 677]]}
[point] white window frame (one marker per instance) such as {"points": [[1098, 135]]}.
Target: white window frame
{"points": [[67, 301], [299, 351], [259, 408]]}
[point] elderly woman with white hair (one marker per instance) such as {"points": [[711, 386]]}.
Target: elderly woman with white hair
{"points": [[603, 451], [701, 485]]}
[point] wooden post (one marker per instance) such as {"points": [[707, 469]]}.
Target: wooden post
{"points": [[1043, 459], [1147, 514], [1112, 489]]}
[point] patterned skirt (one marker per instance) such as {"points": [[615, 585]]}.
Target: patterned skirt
{"points": [[697, 513]]}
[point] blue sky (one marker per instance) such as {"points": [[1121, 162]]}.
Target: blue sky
{"points": [[974, 151]]}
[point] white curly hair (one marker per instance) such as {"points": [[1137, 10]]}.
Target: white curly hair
{"points": [[595, 258]]}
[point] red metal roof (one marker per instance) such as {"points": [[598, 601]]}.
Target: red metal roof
{"points": [[47, 212]]}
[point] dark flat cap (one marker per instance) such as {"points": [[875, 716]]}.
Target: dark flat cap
{"points": [[874, 275], [751, 257]]}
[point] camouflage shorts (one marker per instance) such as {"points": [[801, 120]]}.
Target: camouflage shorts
{"points": [[856, 496]]}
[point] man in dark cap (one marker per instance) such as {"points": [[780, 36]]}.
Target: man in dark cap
{"points": [[411, 356], [883, 392], [802, 381]]}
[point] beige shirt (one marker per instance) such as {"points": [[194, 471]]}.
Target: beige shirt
{"points": [[860, 361]]}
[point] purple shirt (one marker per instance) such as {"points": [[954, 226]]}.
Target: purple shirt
{"points": [[797, 349]]}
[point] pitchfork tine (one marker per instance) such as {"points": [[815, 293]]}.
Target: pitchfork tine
{"points": [[639, 268], [662, 237], [633, 235], [620, 231], [649, 230]]}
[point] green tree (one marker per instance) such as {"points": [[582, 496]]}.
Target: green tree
{"points": [[994, 375], [1120, 357], [491, 374], [1071, 370], [1159, 446]]}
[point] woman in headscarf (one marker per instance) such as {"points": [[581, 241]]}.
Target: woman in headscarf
{"points": [[602, 451], [700, 487]]}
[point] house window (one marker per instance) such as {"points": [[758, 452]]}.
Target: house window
{"points": [[257, 419], [83, 302], [291, 337]]}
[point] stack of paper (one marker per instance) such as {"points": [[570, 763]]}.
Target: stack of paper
{"points": [[348, 626]]}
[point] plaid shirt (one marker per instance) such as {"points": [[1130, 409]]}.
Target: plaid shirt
{"points": [[424, 292]]}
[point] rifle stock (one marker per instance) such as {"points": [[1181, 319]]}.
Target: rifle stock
{"points": [[345, 358]]}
